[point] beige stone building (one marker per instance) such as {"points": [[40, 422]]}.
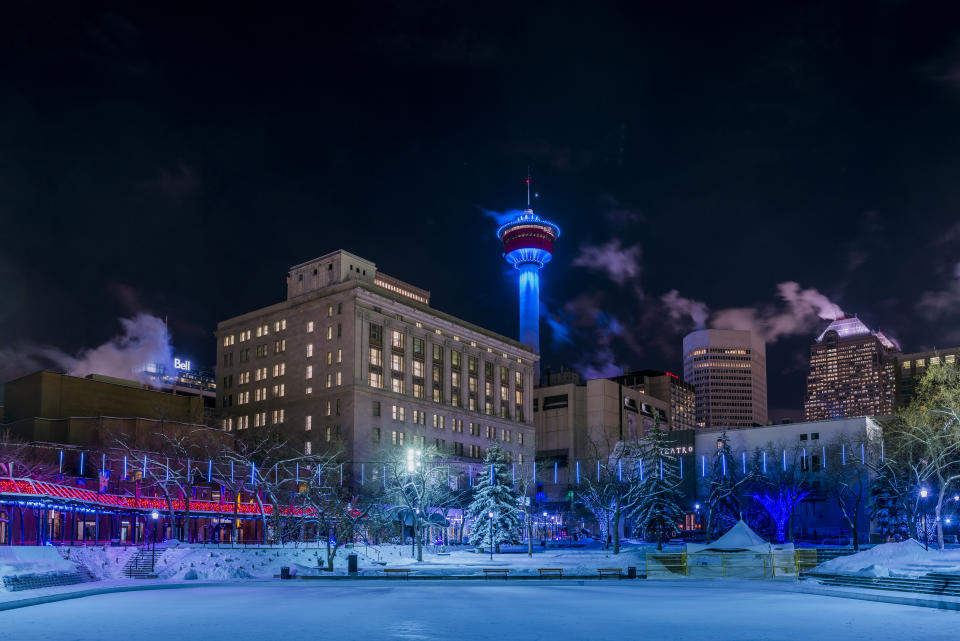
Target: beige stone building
{"points": [[359, 359]]}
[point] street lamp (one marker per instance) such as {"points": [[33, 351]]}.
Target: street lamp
{"points": [[153, 552], [926, 537], [490, 530]]}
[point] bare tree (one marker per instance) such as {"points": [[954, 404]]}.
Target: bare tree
{"points": [[608, 488], [847, 481], [926, 434], [419, 482]]}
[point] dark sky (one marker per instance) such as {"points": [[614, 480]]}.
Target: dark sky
{"points": [[178, 160]]}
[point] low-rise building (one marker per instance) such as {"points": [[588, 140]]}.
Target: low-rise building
{"points": [[910, 367]]}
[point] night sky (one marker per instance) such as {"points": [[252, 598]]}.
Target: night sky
{"points": [[699, 159]]}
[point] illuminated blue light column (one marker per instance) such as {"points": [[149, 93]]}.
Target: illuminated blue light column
{"points": [[530, 305], [528, 246]]}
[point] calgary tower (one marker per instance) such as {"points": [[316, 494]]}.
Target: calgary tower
{"points": [[528, 246]]}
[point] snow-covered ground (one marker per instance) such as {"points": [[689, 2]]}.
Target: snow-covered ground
{"points": [[182, 561], [663, 610], [905, 559]]}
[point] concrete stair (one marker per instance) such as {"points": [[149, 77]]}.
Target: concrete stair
{"points": [[934, 583], [142, 564]]}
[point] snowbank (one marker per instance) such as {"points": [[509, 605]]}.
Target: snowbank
{"points": [[22, 562], [904, 559], [104, 562]]}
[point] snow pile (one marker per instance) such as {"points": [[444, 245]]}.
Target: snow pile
{"points": [[32, 561], [104, 562], [904, 559], [184, 561]]}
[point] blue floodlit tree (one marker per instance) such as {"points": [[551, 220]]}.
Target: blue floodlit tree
{"points": [[657, 496], [494, 494], [778, 484]]}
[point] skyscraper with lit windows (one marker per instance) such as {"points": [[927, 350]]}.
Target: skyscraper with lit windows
{"points": [[728, 371], [851, 372]]}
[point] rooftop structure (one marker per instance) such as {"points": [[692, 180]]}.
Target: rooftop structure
{"points": [[528, 245]]}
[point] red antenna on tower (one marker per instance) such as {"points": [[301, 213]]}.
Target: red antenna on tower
{"points": [[528, 187]]}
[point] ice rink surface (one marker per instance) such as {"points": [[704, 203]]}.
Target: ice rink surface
{"points": [[454, 610]]}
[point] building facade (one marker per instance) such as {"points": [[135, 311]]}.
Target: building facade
{"points": [[819, 456], [910, 367], [357, 361], [93, 411], [851, 372], [728, 371], [668, 387], [580, 423]]}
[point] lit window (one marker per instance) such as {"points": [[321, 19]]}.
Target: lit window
{"points": [[309, 371], [307, 448], [309, 350], [308, 425], [309, 326]]}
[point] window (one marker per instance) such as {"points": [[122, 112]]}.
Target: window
{"points": [[329, 311], [309, 350], [278, 391], [308, 423], [376, 334], [455, 358], [517, 378], [555, 402], [376, 357], [376, 408], [472, 364], [396, 363], [309, 372], [279, 325], [308, 390], [376, 380], [278, 416], [309, 326], [814, 436], [308, 448], [328, 433], [438, 353], [396, 438], [228, 340], [398, 413], [418, 390], [396, 339], [418, 347], [339, 379], [376, 435], [519, 438], [279, 369], [329, 381], [418, 369], [329, 408], [396, 385], [336, 405], [339, 356]]}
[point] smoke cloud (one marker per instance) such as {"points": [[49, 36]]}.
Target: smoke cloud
{"points": [[801, 312], [679, 308], [620, 264], [933, 305], [143, 340]]}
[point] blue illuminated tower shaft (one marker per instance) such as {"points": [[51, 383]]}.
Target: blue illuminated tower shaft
{"points": [[529, 285]]}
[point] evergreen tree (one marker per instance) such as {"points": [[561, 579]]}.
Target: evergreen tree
{"points": [[494, 493], [657, 496]]}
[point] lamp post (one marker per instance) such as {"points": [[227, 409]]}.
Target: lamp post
{"points": [[153, 548], [490, 532], [923, 495]]}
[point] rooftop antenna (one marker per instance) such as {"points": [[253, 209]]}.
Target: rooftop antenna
{"points": [[528, 187]]}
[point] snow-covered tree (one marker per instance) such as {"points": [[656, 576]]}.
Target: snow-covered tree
{"points": [[657, 495], [494, 494], [893, 500]]}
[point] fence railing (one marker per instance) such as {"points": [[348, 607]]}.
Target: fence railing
{"points": [[711, 565]]}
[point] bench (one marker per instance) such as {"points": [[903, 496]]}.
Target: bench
{"points": [[488, 572], [404, 572], [546, 573], [610, 572]]}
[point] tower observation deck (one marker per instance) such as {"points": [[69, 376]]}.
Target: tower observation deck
{"points": [[528, 245]]}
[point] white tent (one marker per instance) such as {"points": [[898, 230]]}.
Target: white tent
{"points": [[740, 552]]}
